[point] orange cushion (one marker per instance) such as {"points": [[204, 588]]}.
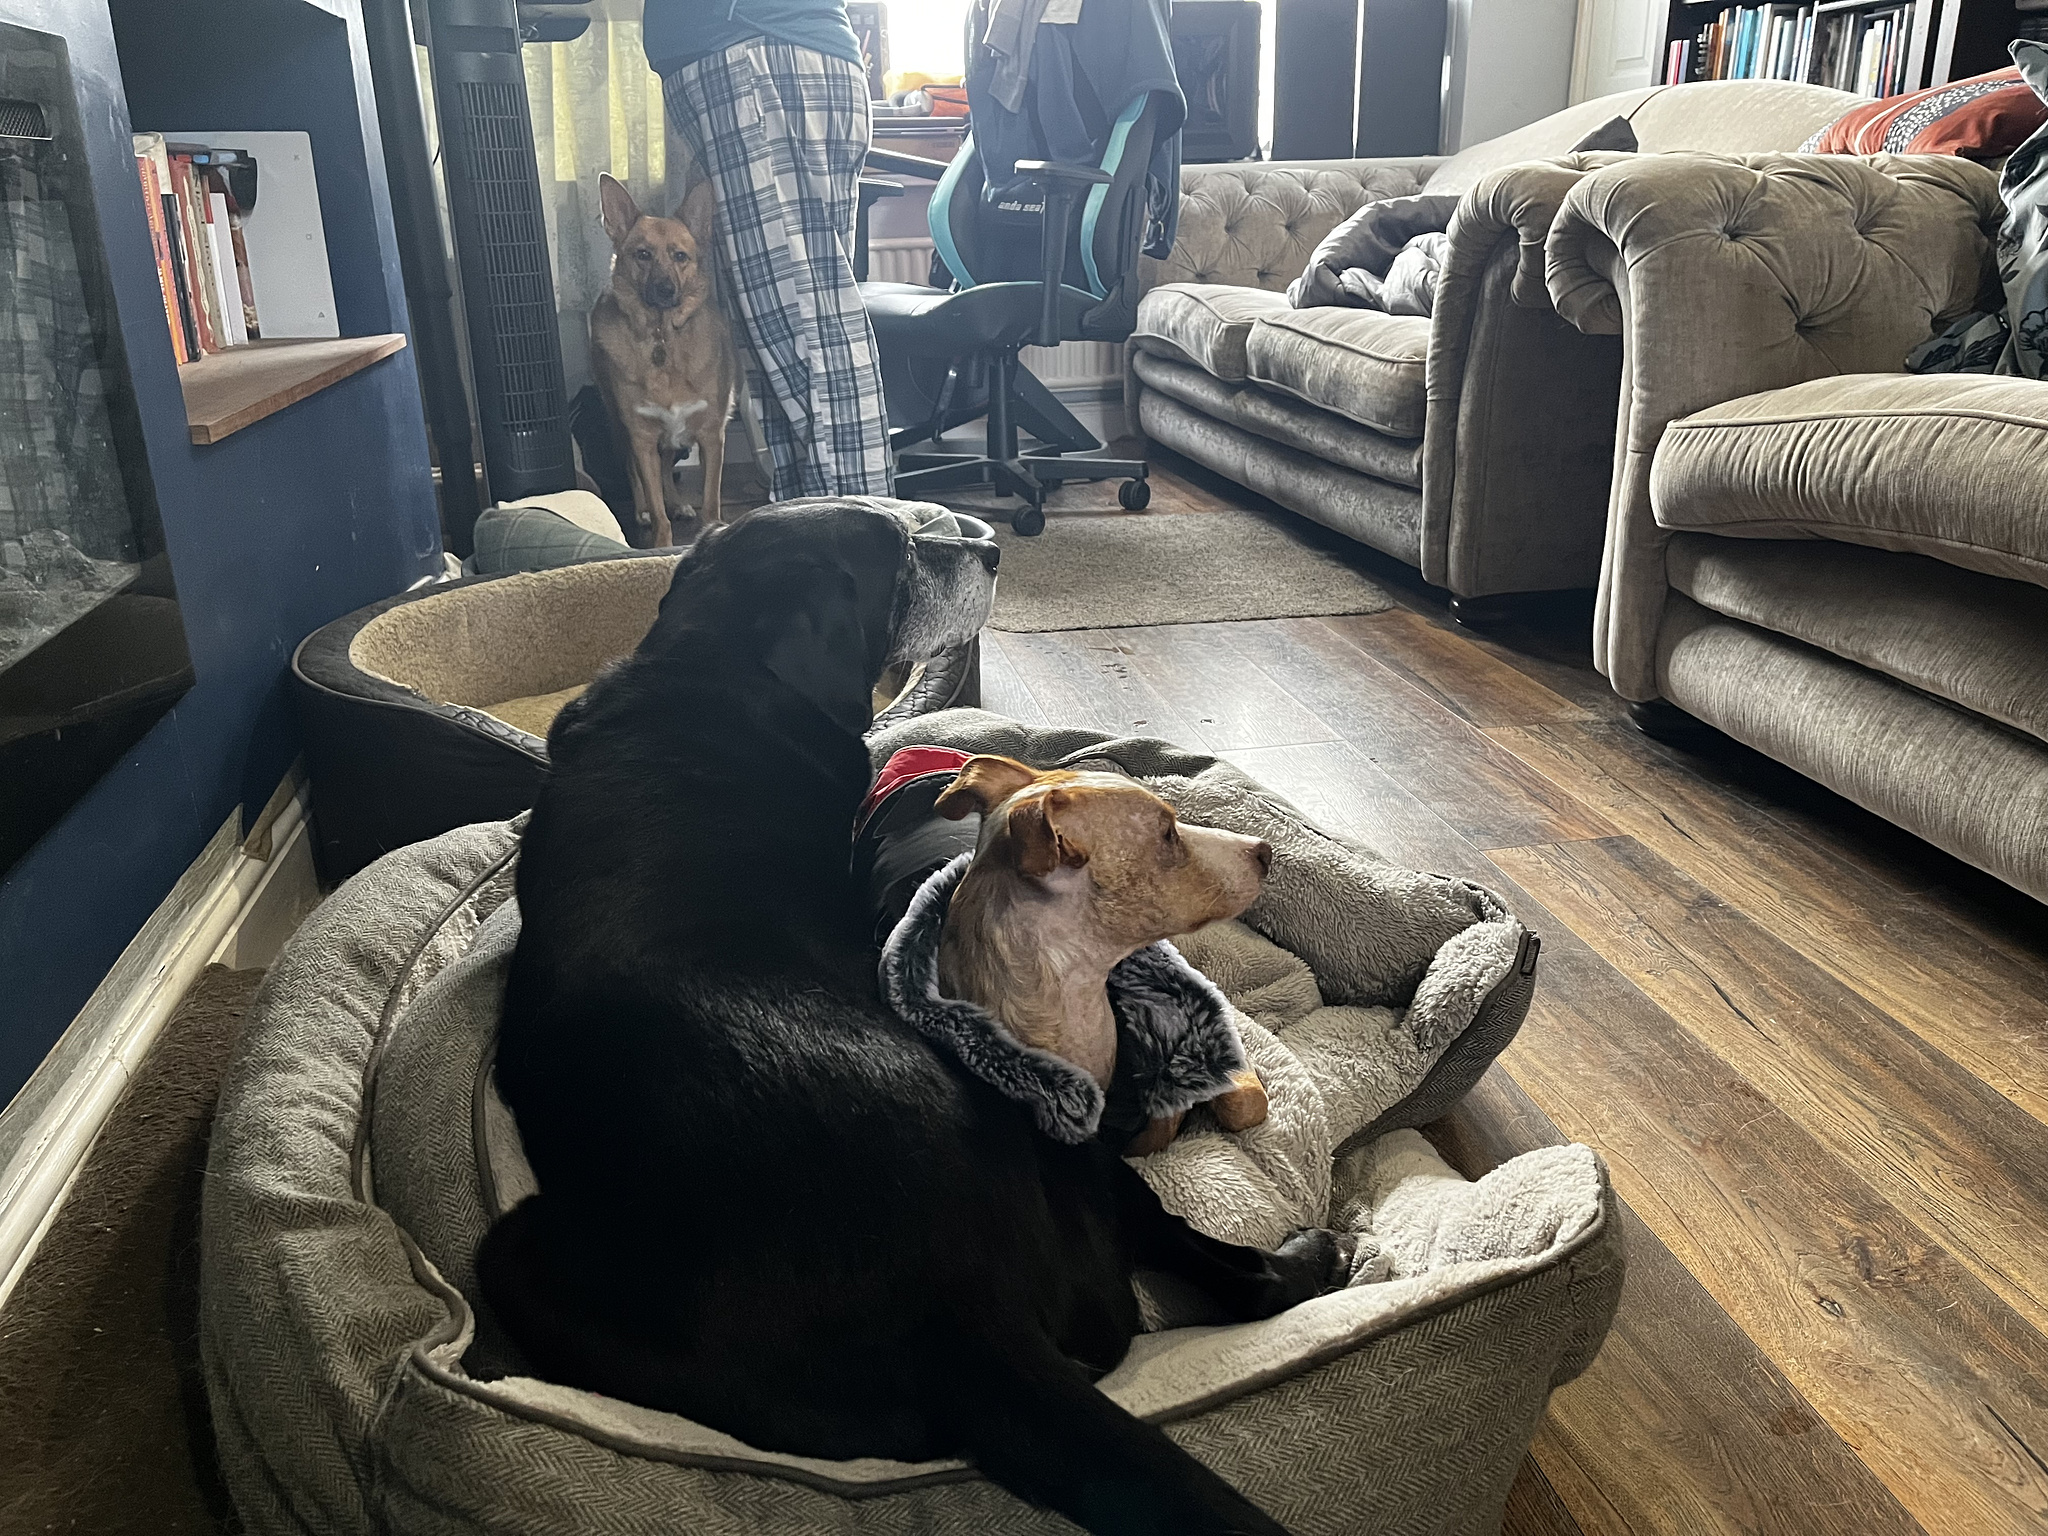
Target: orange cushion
{"points": [[1985, 117]]}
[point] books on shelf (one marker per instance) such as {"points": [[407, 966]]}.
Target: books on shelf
{"points": [[1876, 49], [201, 259]]}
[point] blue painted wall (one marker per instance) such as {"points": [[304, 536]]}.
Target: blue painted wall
{"points": [[315, 511]]}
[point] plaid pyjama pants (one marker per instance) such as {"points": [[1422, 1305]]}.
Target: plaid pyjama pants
{"points": [[782, 132]]}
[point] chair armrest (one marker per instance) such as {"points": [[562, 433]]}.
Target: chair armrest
{"points": [[1726, 276], [1061, 184]]}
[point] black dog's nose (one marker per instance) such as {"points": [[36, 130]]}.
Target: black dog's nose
{"points": [[988, 552], [662, 294], [1263, 852]]}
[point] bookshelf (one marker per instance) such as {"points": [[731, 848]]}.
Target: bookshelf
{"points": [[291, 482], [1870, 47], [239, 387]]}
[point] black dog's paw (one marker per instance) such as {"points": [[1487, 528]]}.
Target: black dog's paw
{"points": [[1308, 1263]]}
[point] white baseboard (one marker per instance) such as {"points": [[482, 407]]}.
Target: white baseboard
{"points": [[236, 905]]}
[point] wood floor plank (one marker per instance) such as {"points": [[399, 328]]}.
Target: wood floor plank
{"points": [[1908, 1357], [1453, 671], [1947, 1150], [1490, 796], [1680, 1426], [1941, 1387], [1534, 1508], [1226, 700], [1969, 996], [1334, 786], [1080, 678], [1002, 690]]}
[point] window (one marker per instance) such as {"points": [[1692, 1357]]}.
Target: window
{"points": [[928, 35]]}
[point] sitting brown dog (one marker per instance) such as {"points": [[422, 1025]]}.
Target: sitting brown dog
{"points": [[661, 350], [1073, 873]]}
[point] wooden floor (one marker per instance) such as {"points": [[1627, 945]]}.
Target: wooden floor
{"points": [[1813, 1051]]}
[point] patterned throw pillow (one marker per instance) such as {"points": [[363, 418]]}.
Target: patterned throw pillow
{"points": [[1986, 118]]}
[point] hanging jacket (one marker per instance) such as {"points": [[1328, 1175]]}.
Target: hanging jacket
{"points": [[1081, 77]]}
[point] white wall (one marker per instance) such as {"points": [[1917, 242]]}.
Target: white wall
{"points": [[1510, 62], [1620, 47]]}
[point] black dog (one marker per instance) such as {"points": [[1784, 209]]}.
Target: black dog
{"points": [[767, 1204]]}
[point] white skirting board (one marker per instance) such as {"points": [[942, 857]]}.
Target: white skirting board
{"points": [[236, 905], [1087, 376]]}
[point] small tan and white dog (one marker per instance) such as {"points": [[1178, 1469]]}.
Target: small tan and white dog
{"points": [[1074, 872], [661, 351]]}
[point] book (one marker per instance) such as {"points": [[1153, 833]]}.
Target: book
{"points": [[160, 248], [244, 285], [199, 282], [226, 289]]}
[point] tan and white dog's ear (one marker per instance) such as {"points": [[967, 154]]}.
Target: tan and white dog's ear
{"points": [[983, 784], [1038, 846], [615, 206], [698, 211]]}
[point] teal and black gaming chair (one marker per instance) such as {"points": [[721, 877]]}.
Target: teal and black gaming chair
{"points": [[1065, 269]]}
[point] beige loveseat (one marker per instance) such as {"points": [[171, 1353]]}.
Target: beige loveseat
{"points": [[1835, 561], [1476, 445]]}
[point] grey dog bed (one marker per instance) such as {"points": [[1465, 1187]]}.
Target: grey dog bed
{"points": [[360, 1151]]}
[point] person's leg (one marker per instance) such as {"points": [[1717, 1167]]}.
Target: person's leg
{"points": [[782, 132]]}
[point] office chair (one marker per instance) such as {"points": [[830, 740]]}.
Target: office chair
{"points": [[950, 355]]}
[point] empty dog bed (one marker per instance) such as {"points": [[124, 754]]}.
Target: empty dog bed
{"points": [[430, 710], [360, 1152]]}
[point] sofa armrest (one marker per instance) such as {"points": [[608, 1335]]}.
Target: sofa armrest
{"points": [[1254, 225], [1507, 455], [1729, 275]]}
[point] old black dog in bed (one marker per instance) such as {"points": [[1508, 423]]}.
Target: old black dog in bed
{"points": [[768, 1204]]}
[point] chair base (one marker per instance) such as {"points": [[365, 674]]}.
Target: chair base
{"points": [[1017, 398]]}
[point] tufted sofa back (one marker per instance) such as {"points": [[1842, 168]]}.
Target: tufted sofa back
{"points": [[1255, 225]]}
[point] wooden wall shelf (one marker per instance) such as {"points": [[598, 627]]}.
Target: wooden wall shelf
{"points": [[227, 391]]}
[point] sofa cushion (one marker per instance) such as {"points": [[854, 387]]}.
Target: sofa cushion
{"points": [[1203, 323], [1977, 641], [1360, 363], [1284, 419], [1949, 465]]}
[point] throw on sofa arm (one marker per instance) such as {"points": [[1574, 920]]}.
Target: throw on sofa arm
{"points": [[1729, 275]]}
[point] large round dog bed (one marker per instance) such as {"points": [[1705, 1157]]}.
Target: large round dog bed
{"points": [[360, 1151], [430, 710]]}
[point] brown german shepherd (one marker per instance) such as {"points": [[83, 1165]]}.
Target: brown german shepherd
{"points": [[662, 352]]}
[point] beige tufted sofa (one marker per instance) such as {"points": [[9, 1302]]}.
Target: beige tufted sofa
{"points": [[1476, 445], [1837, 562]]}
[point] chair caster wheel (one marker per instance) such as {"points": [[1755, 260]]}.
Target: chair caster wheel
{"points": [[1134, 495], [1028, 521]]}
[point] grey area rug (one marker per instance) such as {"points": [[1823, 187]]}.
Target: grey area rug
{"points": [[1175, 568]]}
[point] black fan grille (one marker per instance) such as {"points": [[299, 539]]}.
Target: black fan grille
{"points": [[498, 160]]}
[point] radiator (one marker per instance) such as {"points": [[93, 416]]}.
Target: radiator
{"points": [[1074, 368]]}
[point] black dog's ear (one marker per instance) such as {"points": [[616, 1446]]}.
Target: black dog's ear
{"points": [[818, 647]]}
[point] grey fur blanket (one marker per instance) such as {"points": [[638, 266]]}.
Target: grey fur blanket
{"points": [[1175, 1034], [1385, 256]]}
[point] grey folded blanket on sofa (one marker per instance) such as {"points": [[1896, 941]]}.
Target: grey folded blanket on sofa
{"points": [[1385, 256], [1389, 254]]}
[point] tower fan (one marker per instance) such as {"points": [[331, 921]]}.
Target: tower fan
{"points": [[501, 245]]}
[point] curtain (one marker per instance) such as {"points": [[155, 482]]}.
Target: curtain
{"points": [[596, 107]]}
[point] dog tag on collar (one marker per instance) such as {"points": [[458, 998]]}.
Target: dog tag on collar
{"points": [[660, 355]]}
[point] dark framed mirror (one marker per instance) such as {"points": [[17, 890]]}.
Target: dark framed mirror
{"points": [[92, 645]]}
